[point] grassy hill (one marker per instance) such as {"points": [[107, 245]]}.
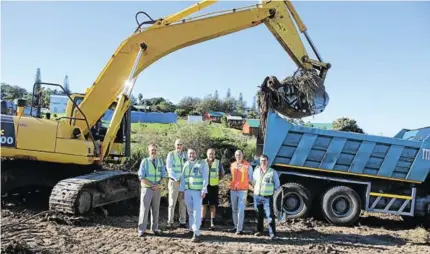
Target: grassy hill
{"points": [[216, 129]]}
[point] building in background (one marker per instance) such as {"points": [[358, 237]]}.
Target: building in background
{"points": [[58, 103], [235, 122], [214, 116], [144, 117], [194, 119], [250, 127]]}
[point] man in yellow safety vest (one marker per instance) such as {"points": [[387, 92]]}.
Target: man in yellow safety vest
{"points": [[265, 183], [194, 181], [150, 173], [174, 164], [216, 172]]}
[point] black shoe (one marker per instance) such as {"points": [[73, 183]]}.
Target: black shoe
{"points": [[158, 232], [195, 239], [239, 233], [183, 225], [232, 230]]}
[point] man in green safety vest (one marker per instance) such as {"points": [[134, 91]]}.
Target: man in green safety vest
{"points": [[174, 164], [265, 183], [216, 172], [150, 173], [194, 181]]}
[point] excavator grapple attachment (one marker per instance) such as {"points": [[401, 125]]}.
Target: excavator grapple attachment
{"points": [[298, 96]]}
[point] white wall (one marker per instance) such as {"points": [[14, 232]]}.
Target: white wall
{"points": [[58, 103], [195, 119]]}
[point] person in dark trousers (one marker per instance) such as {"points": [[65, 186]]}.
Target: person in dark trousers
{"points": [[216, 173], [265, 183]]}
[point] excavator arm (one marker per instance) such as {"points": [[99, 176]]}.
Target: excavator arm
{"points": [[164, 36]]}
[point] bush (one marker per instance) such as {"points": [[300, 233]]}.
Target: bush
{"points": [[196, 136], [181, 112]]}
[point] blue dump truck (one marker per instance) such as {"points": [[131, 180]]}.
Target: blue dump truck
{"points": [[339, 174]]}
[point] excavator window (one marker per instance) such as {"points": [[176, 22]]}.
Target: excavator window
{"points": [[100, 128]]}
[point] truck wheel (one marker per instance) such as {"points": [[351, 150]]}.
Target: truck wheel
{"points": [[296, 201], [341, 206]]}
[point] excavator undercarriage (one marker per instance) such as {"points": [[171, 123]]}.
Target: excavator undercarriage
{"points": [[78, 195], [74, 189]]}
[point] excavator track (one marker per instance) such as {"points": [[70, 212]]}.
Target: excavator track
{"points": [[79, 195]]}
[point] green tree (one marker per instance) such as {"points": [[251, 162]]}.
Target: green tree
{"points": [[9, 92], [166, 106], [140, 98], [209, 103], [252, 114], [189, 104], [37, 87], [133, 100], [66, 85], [180, 112], [346, 124], [229, 105], [240, 105]]}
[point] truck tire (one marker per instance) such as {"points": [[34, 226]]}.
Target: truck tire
{"points": [[341, 206], [296, 203]]}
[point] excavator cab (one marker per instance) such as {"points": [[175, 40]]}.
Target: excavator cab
{"points": [[121, 145]]}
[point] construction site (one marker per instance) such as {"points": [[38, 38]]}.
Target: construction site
{"points": [[70, 183]]}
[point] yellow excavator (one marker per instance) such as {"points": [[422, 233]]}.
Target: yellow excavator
{"points": [[67, 154]]}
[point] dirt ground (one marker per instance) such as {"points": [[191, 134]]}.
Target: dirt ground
{"points": [[34, 230]]}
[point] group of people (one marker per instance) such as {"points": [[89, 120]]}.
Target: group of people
{"points": [[194, 184]]}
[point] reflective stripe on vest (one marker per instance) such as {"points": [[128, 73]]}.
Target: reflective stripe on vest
{"points": [[193, 176], [264, 184], [177, 164], [152, 174], [239, 180], [214, 173]]}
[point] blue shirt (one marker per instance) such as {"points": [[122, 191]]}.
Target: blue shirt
{"points": [[143, 171]]}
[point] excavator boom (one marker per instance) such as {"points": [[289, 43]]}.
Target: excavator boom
{"points": [[165, 36]]}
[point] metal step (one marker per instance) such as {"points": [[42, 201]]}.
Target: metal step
{"points": [[392, 198]]}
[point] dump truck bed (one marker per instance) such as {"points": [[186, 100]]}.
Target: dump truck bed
{"points": [[291, 145]]}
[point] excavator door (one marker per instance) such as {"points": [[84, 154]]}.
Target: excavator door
{"points": [[122, 144]]}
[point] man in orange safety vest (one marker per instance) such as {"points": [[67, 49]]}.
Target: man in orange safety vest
{"points": [[242, 173]]}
